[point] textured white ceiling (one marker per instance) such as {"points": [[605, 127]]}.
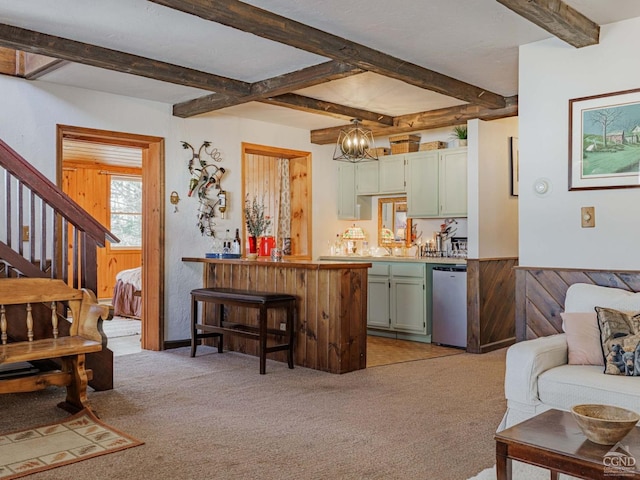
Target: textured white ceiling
{"points": [[472, 40]]}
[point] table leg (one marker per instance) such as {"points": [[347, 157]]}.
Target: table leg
{"points": [[503, 462], [553, 475], [290, 330], [262, 340], [220, 320], [194, 315]]}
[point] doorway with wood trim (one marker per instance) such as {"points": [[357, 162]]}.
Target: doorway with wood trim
{"points": [[280, 178], [123, 147]]}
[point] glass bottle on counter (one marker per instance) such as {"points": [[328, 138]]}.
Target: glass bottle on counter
{"points": [[337, 246], [226, 247], [236, 247]]}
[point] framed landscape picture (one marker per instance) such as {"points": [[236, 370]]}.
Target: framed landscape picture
{"points": [[604, 141]]}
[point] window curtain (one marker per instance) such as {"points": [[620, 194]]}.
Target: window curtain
{"points": [[283, 220]]}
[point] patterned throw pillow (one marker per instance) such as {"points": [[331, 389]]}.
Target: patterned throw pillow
{"points": [[620, 338]]}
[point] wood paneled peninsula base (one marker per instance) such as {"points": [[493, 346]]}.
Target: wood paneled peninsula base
{"points": [[554, 441], [331, 323]]}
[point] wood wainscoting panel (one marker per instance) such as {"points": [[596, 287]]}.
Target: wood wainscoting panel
{"points": [[330, 327], [541, 292], [491, 286]]}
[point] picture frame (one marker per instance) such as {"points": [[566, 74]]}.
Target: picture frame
{"points": [[604, 141], [514, 161]]}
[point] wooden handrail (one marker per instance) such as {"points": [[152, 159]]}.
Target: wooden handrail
{"points": [[67, 238], [45, 188], [20, 263]]}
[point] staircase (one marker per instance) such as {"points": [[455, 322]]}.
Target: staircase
{"points": [[48, 235]]}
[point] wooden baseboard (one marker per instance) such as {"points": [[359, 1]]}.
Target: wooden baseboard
{"points": [[490, 347], [169, 344]]}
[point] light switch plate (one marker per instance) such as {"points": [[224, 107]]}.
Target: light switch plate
{"points": [[588, 216], [25, 233]]}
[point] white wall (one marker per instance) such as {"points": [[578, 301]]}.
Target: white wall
{"points": [[31, 111], [552, 73], [493, 212]]}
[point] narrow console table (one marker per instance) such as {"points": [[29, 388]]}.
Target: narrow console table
{"points": [[331, 321]]}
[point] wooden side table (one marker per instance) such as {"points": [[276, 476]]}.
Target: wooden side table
{"points": [[553, 440]]}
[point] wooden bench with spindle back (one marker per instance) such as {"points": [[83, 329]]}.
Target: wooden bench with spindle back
{"points": [[29, 337]]}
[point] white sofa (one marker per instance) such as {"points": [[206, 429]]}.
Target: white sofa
{"points": [[537, 374]]}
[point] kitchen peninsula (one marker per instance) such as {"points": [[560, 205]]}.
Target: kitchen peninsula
{"points": [[331, 322]]}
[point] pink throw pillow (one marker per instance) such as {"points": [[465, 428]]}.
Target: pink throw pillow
{"points": [[583, 338]]}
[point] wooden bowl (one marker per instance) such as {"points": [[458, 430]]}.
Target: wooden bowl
{"points": [[604, 424]]}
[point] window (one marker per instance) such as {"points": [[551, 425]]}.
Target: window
{"points": [[126, 211]]}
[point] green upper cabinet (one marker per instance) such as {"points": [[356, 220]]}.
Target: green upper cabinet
{"points": [[453, 183], [350, 205], [437, 184], [367, 178], [346, 191], [391, 170], [422, 185]]}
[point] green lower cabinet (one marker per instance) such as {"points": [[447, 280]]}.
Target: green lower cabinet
{"points": [[397, 301], [378, 304]]}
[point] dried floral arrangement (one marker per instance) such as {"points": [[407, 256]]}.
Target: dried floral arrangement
{"points": [[254, 217]]}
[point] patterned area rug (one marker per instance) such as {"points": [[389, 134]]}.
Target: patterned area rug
{"points": [[70, 440]]}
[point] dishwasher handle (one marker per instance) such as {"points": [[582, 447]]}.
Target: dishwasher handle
{"points": [[453, 268]]}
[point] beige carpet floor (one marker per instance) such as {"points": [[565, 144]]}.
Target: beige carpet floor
{"points": [[215, 417]]}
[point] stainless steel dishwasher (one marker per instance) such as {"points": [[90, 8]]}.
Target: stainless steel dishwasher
{"points": [[449, 320]]}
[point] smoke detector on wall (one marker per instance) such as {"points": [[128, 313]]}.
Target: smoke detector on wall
{"points": [[542, 187]]}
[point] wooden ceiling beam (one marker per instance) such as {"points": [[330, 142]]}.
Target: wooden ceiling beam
{"points": [[443, 117], [265, 24], [559, 19], [8, 64], [306, 104], [34, 66], [306, 77], [65, 49]]}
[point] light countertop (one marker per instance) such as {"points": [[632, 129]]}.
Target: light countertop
{"points": [[357, 258], [325, 263]]}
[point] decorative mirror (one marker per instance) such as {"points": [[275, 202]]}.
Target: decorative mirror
{"points": [[394, 228]]}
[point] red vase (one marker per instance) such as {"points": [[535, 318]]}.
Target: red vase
{"points": [[266, 244], [253, 245]]}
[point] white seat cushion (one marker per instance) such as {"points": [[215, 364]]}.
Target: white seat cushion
{"points": [[567, 385]]}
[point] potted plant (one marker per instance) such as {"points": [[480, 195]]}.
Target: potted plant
{"points": [[256, 222], [460, 133]]}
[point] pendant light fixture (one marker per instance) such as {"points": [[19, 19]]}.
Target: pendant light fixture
{"points": [[355, 144]]}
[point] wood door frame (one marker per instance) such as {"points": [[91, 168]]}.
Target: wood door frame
{"points": [[153, 190], [254, 149]]}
